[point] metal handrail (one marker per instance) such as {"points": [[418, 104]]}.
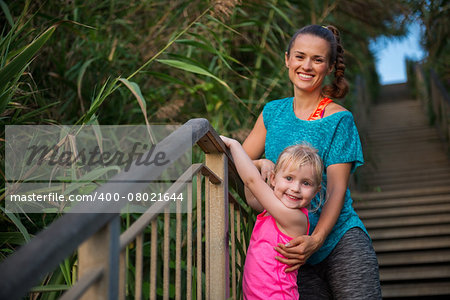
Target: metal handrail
{"points": [[25, 268]]}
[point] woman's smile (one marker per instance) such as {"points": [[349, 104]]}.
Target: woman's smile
{"points": [[304, 76]]}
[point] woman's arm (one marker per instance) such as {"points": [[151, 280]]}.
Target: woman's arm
{"points": [[255, 141], [254, 146], [252, 201], [302, 247]]}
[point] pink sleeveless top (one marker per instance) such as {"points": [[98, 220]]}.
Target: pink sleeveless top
{"points": [[264, 276]]}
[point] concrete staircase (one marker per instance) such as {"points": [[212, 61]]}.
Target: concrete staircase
{"points": [[406, 202]]}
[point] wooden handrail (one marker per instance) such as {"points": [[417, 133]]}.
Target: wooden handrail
{"points": [[435, 101], [27, 266]]}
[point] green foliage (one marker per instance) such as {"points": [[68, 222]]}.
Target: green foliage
{"points": [[435, 18]]}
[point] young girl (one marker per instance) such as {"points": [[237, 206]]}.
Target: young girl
{"points": [[295, 181]]}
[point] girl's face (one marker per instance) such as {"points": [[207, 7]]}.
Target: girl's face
{"points": [[308, 62], [295, 187]]}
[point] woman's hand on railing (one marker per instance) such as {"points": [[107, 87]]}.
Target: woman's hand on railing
{"points": [[297, 251]]}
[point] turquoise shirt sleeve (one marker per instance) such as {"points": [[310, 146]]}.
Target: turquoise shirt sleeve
{"points": [[345, 145]]}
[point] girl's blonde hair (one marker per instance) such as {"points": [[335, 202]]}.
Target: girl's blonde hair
{"points": [[299, 155]]}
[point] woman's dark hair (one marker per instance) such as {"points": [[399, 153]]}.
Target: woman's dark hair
{"points": [[339, 87]]}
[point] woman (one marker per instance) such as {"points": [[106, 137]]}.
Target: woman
{"points": [[341, 260]]}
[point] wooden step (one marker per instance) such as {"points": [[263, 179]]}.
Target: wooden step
{"points": [[401, 142], [394, 163], [413, 176], [408, 201], [404, 211], [407, 185], [417, 192], [398, 136], [382, 152], [421, 243], [422, 257], [415, 289], [410, 231], [385, 170], [418, 128], [374, 173], [415, 273], [406, 221]]}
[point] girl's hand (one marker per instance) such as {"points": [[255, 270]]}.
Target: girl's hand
{"points": [[227, 141], [266, 167], [297, 251]]}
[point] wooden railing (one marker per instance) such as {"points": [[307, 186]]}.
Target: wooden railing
{"points": [[207, 247], [435, 101]]}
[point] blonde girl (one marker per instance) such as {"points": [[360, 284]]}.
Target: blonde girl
{"points": [[295, 181]]}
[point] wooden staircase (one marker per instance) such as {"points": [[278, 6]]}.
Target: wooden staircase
{"points": [[406, 202]]}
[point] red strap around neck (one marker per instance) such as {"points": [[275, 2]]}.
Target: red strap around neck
{"points": [[320, 109]]}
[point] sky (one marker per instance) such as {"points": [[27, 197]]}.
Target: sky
{"points": [[391, 54]]}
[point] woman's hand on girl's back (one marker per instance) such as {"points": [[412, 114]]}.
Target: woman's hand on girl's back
{"points": [[266, 167], [297, 251]]}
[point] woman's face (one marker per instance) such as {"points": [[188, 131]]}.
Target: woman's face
{"points": [[308, 62]]}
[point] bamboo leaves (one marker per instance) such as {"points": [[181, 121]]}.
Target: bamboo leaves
{"points": [[192, 68], [12, 71], [189, 67]]}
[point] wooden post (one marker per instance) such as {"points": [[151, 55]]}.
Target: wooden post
{"points": [[218, 228], [101, 250]]}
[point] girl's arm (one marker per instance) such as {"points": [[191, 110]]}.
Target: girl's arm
{"points": [[287, 218], [302, 247]]}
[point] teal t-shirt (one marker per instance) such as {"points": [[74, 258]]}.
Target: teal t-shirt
{"points": [[337, 140]]}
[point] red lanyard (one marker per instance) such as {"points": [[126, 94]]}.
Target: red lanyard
{"points": [[318, 113]]}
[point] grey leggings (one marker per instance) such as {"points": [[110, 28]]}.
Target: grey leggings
{"points": [[349, 272]]}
